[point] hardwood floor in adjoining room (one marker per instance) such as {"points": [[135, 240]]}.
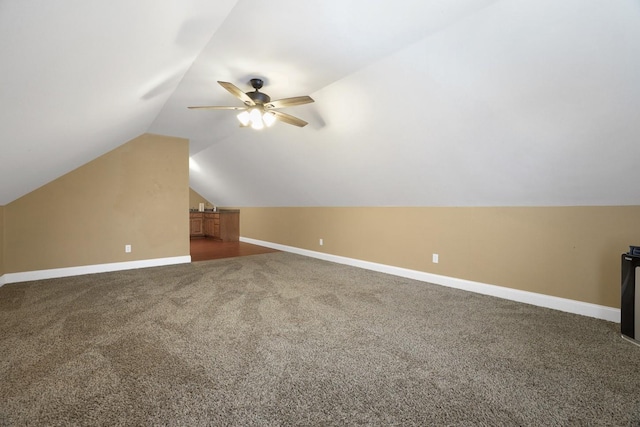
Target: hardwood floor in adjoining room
{"points": [[203, 249]]}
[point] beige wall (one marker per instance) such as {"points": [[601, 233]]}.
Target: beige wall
{"points": [[136, 194], [569, 252]]}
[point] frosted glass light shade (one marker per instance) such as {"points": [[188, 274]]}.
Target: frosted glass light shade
{"points": [[256, 119], [256, 115], [244, 118], [269, 119]]}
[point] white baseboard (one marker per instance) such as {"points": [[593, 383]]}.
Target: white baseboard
{"points": [[541, 300], [28, 276]]}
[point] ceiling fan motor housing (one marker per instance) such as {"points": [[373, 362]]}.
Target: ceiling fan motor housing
{"points": [[259, 97]]}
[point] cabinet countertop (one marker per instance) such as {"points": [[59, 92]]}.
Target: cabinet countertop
{"points": [[212, 211]]}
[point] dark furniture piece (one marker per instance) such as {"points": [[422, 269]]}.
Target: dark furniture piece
{"points": [[630, 304]]}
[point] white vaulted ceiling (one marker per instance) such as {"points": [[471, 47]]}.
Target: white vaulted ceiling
{"points": [[418, 102]]}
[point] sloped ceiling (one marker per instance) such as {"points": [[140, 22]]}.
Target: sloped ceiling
{"points": [[418, 103]]}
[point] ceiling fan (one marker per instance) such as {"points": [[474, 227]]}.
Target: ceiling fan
{"points": [[259, 110]]}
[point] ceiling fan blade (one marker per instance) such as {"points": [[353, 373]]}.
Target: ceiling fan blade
{"points": [[289, 119], [237, 92], [212, 107], [289, 102]]}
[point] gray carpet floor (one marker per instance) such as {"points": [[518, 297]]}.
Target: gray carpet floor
{"points": [[281, 339]]}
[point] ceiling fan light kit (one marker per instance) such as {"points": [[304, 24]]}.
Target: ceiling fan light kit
{"points": [[257, 118], [259, 111]]}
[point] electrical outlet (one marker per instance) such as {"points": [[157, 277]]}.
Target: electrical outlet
{"points": [[127, 248], [434, 258], [321, 242]]}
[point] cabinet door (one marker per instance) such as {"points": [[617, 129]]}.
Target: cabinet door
{"points": [[208, 225], [195, 224], [216, 225]]}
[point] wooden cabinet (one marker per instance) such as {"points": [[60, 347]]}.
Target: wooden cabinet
{"points": [[221, 225], [228, 227], [209, 220], [196, 224], [216, 225]]}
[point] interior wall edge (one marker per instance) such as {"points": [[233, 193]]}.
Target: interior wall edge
{"points": [[547, 301]]}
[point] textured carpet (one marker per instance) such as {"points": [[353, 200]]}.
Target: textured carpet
{"points": [[281, 339]]}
